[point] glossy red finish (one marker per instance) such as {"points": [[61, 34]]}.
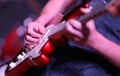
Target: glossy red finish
{"points": [[47, 48], [45, 59], [42, 60]]}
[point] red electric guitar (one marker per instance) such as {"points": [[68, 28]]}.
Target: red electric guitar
{"points": [[39, 55]]}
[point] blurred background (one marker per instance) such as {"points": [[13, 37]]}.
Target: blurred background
{"points": [[14, 15]]}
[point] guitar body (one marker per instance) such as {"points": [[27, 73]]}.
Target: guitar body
{"points": [[53, 42], [58, 39]]}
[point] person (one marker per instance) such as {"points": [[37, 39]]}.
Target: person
{"points": [[93, 49]]}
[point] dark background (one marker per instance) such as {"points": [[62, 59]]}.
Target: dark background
{"points": [[14, 14]]}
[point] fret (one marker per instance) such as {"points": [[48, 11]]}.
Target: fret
{"points": [[97, 8]]}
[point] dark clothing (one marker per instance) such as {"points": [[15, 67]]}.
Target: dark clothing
{"points": [[72, 61], [82, 61]]}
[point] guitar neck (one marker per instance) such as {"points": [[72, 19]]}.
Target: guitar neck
{"points": [[98, 8]]}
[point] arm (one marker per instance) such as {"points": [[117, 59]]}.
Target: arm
{"points": [[108, 49], [52, 8], [35, 29], [87, 35]]}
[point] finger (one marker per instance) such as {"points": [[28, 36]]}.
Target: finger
{"points": [[32, 33], [31, 39], [30, 46], [72, 31], [41, 29], [85, 10], [28, 42], [76, 24], [90, 23], [73, 38]]}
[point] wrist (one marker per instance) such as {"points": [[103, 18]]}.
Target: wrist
{"points": [[94, 39], [41, 20], [98, 41]]}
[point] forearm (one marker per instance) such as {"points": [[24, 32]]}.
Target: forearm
{"points": [[52, 8], [107, 48]]}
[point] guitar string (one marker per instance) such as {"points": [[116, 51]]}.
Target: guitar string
{"points": [[94, 12], [81, 19]]}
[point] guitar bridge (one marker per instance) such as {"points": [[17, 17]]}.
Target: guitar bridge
{"points": [[18, 59]]}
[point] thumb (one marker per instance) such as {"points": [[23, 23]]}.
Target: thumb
{"points": [[41, 29], [85, 10]]}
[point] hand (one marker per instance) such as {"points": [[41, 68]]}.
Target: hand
{"points": [[80, 33], [33, 32], [114, 8]]}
